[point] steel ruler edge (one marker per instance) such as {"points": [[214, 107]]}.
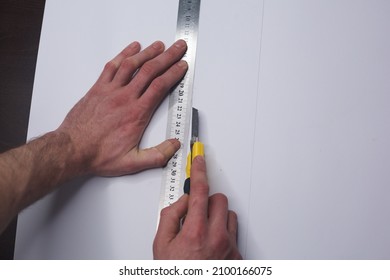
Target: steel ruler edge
{"points": [[180, 105]]}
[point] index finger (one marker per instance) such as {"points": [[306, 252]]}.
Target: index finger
{"points": [[199, 196]]}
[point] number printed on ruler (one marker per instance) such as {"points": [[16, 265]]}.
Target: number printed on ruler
{"points": [[180, 104]]}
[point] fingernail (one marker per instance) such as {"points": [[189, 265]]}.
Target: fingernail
{"points": [[157, 45], [176, 143], [134, 45], [180, 44], [199, 159], [182, 63]]}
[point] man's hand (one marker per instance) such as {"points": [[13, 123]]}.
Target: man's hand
{"points": [[101, 134], [209, 230], [106, 126]]}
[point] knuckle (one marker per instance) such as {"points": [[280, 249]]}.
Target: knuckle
{"points": [[167, 211], [172, 54], [160, 159], [110, 66], [158, 84], [202, 188], [170, 211], [220, 198], [220, 242], [137, 85], [149, 68], [130, 63]]}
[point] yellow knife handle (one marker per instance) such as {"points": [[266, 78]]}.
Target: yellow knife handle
{"points": [[197, 150]]}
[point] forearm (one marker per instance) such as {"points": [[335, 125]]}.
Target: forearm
{"points": [[29, 172]]}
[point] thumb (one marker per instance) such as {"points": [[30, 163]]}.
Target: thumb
{"points": [[156, 156]]}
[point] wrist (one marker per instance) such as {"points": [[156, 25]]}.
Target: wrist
{"points": [[46, 162], [63, 151]]}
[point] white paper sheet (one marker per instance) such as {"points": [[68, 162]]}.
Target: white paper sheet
{"points": [[293, 107], [320, 180]]}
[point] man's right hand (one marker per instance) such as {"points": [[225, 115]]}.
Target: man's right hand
{"points": [[209, 230]]}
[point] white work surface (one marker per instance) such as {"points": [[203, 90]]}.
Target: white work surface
{"points": [[294, 101]]}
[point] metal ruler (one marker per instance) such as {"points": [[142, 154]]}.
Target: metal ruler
{"points": [[180, 104]]}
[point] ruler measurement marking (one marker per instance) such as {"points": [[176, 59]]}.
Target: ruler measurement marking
{"points": [[180, 104]]}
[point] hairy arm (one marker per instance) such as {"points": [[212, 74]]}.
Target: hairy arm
{"points": [[29, 172], [101, 134]]}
